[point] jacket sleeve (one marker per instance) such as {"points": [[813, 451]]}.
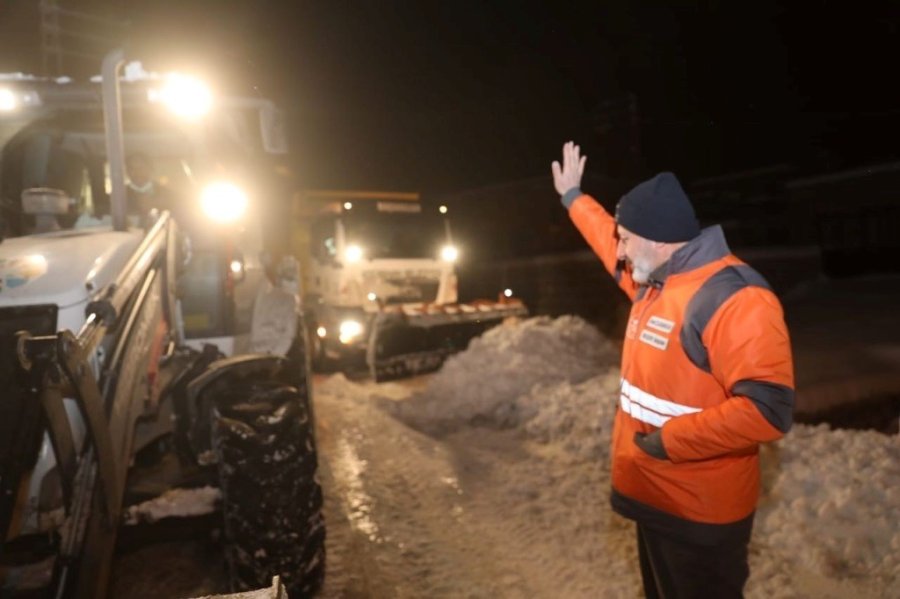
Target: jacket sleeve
{"points": [[750, 356], [598, 228]]}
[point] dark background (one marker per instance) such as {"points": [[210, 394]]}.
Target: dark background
{"points": [[439, 96], [468, 102]]}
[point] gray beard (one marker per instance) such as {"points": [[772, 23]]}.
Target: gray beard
{"points": [[640, 272]]}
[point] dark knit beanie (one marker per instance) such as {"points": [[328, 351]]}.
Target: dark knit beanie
{"points": [[658, 210]]}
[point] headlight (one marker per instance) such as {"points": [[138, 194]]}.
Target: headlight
{"points": [[449, 253], [223, 202], [11, 99], [237, 270], [186, 96], [353, 253], [349, 331], [8, 100]]}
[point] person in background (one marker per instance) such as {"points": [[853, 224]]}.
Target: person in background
{"points": [[144, 194], [707, 375]]}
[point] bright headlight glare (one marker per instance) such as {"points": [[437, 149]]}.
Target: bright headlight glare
{"points": [[186, 96], [449, 253], [237, 267], [321, 332], [223, 202], [349, 330], [7, 100], [353, 253]]}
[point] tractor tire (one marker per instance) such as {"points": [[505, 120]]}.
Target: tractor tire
{"points": [[264, 442]]}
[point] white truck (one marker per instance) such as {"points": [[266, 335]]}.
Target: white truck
{"points": [[124, 332], [381, 286]]}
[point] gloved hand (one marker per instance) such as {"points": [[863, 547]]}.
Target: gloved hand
{"points": [[652, 444], [569, 175]]}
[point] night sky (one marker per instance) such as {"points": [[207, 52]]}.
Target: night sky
{"points": [[439, 96]]}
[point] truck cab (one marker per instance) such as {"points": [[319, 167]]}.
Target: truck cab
{"points": [[368, 254]]}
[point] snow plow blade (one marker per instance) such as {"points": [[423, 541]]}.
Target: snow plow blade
{"points": [[411, 340]]}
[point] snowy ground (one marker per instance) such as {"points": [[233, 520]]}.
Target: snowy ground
{"points": [[490, 479]]}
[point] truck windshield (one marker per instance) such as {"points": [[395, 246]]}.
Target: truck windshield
{"points": [[396, 234]]}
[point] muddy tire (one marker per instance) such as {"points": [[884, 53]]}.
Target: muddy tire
{"points": [[263, 439]]}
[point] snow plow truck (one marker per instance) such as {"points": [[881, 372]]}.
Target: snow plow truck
{"points": [[381, 284], [129, 331]]}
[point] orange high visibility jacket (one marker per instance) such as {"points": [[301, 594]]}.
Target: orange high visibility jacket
{"points": [[706, 359]]}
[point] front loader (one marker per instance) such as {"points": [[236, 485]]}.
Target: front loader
{"points": [[124, 329]]}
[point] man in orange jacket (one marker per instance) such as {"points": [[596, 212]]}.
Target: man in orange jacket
{"points": [[707, 375]]}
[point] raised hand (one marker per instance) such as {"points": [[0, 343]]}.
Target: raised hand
{"points": [[568, 175]]}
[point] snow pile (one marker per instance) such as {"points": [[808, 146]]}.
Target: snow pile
{"points": [[339, 387], [577, 417], [482, 384], [835, 505], [175, 502]]}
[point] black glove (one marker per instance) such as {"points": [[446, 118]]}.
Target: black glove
{"points": [[652, 444]]}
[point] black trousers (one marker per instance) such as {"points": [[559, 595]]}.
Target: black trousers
{"points": [[673, 569]]}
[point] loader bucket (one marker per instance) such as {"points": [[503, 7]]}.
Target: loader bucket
{"points": [[417, 340]]}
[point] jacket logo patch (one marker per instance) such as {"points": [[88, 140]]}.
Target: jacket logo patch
{"points": [[661, 324], [657, 341]]}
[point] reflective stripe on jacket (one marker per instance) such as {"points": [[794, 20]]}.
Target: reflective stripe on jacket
{"points": [[707, 359]]}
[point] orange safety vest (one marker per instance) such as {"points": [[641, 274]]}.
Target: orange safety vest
{"points": [[706, 359]]}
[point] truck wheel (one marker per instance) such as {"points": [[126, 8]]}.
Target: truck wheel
{"points": [[271, 499]]}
